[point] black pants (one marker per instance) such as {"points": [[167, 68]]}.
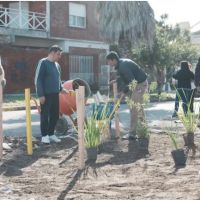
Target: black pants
{"points": [[49, 114], [187, 98]]}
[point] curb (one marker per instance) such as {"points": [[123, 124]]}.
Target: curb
{"points": [[18, 108]]}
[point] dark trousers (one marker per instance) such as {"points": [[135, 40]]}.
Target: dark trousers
{"points": [[176, 107], [49, 114], [192, 100], [186, 96]]}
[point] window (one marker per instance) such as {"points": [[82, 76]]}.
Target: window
{"points": [[81, 67], [77, 15]]}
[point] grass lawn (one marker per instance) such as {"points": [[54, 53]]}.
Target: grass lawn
{"points": [[15, 101]]}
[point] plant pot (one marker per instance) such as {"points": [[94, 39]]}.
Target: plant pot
{"points": [[179, 157], [92, 154], [189, 140], [143, 144]]}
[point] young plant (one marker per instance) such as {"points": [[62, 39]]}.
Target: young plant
{"points": [[173, 137], [142, 130], [172, 131], [96, 123], [92, 132], [189, 119]]}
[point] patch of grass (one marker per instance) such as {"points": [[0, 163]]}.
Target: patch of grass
{"points": [[154, 97], [16, 100]]}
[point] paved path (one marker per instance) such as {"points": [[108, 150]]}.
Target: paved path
{"points": [[14, 122]]}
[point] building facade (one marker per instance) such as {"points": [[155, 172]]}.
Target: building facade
{"points": [[29, 28]]}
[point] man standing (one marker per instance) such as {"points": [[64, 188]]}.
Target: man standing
{"points": [[128, 71], [48, 85]]}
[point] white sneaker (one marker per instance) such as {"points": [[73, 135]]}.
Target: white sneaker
{"points": [[45, 139], [54, 138]]}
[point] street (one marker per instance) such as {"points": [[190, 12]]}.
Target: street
{"points": [[14, 122]]}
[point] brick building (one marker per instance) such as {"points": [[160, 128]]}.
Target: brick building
{"points": [[28, 28]]}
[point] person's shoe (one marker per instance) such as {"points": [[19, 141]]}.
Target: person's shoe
{"points": [[54, 138], [45, 140], [129, 137]]}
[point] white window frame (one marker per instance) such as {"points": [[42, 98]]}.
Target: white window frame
{"points": [[74, 16]]}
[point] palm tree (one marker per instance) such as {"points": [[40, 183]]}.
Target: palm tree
{"points": [[127, 23]]}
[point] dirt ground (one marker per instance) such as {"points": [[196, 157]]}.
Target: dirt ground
{"points": [[121, 172]]}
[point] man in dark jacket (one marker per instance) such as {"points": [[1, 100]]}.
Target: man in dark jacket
{"points": [[48, 85], [185, 76], [128, 71]]}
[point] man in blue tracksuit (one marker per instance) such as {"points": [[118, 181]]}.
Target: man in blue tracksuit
{"points": [[48, 85]]}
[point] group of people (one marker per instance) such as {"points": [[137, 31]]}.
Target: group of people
{"points": [[48, 86], [187, 85]]}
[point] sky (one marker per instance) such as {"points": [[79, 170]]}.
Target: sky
{"points": [[177, 10]]}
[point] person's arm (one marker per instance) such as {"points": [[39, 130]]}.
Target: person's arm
{"points": [[197, 76], [39, 80]]}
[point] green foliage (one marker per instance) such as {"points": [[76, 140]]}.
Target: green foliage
{"points": [[189, 119], [92, 133], [173, 137], [132, 85], [130, 20], [154, 97], [142, 129], [95, 125], [130, 97], [171, 45], [153, 87], [172, 132]]}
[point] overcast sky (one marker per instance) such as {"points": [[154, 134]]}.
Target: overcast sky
{"points": [[178, 10]]}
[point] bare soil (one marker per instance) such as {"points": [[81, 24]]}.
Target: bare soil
{"points": [[121, 172]]}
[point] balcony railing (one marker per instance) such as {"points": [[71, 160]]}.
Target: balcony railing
{"points": [[21, 19]]}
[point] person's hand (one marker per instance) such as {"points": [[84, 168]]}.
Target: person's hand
{"points": [[42, 100]]}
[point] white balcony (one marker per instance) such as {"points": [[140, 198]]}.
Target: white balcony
{"points": [[22, 19]]}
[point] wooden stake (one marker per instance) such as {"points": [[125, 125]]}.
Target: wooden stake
{"points": [[117, 130], [80, 104], [28, 122]]}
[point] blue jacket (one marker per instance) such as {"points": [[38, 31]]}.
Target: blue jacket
{"points": [[47, 78]]}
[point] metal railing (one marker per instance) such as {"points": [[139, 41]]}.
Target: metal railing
{"points": [[21, 19]]}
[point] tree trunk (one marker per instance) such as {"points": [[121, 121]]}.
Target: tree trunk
{"points": [[125, 47]]}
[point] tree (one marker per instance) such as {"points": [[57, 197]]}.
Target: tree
{"points": [[126, 23], [171, 45]]}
